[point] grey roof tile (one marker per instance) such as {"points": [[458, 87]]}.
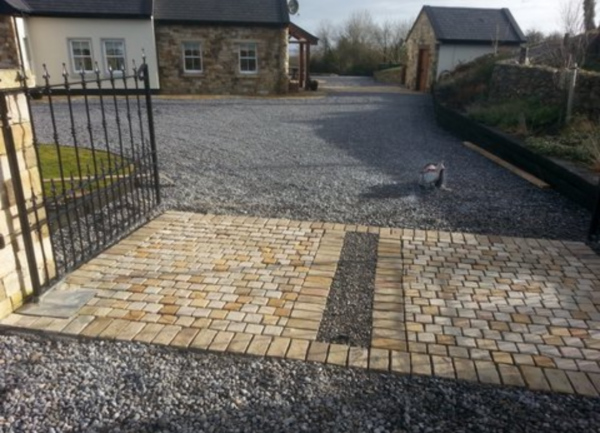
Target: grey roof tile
{"points": [[474, 24], [9, 7], [80, 8], [271, 12], [223, 11]]}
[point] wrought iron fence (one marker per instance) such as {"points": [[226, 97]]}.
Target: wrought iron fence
{"points": [[96, 151]]}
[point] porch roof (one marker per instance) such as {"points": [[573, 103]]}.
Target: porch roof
{"points": [[300, 34]]}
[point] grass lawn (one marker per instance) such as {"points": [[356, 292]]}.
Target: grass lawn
{"points": [[49, 162]]}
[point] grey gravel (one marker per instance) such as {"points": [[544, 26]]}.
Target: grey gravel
{"points": [[49, 385], [350, 157], [347, 318]]}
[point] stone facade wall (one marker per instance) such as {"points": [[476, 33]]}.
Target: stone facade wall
{"points": [[220, 57], [421, 36], [15, 280], [9, 54], [511, 81]]}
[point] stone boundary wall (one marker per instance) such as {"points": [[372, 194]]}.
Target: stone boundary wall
{"points": [[15, 280], [510, 81]]}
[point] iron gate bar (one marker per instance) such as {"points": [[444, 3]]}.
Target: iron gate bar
{"points": [[595, 224], [13, 163], [107, 144], [146, 78], [143, 156], [94, 160], [120, 139], [131, 138], [34, 198], [76, 146]]}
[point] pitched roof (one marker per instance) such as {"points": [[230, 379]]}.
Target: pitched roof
{"points": [[266, 12], [79, 8], [474, 25]]}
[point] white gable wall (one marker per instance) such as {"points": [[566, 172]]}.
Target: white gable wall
{"points": [[48, 40], [452, 55]]}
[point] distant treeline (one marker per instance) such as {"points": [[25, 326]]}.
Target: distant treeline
{"points": [[359, 46]]}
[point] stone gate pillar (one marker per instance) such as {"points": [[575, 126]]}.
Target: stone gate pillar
{"points": [[19, 163]]}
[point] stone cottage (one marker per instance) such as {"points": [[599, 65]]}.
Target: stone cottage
{"points": [[444, 37], [222, 46]]}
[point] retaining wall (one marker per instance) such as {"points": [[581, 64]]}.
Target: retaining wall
{"points": [[510, 81]]}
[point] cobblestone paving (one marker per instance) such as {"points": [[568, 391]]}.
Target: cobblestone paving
{"points": [[497, 310]]}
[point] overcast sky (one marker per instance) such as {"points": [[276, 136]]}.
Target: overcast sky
{"points": [[542, 15]]}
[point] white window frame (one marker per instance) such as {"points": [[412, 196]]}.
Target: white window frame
{"points": [[184, 57], [74, 57], [243, 46], [105, 56]]}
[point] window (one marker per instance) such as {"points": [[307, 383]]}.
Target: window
{"points": [[81, 55], [192, 57], [114, 54], [248, 58]]}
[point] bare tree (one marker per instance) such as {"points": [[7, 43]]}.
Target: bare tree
{"points": [[589, 14], [359, 45], [571, 17], [389, 37], [575, 43], [383, 38], [534, 36], [324, 57]]}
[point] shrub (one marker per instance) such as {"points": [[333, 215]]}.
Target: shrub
{"points": [[524, 116], [468, 83], [578, 142]]}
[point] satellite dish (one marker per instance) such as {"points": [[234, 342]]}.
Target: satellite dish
{"points": [[293, 6]]}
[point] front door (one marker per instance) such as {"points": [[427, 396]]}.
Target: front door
{"points": [[423, 70]]}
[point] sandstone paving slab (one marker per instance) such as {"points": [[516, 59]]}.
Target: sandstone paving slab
{"points": [[496, 310]]}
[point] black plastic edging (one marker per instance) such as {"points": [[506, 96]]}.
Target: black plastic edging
{"points": [[507, 148]]}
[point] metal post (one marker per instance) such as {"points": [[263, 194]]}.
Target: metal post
{"points": [[13, 163], [146, 77], [595, 225], [571, 93], [307, 85]]}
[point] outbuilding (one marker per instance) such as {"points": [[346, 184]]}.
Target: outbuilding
{"points": [[445, 37]]}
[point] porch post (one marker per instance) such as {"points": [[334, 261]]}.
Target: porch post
{"points": [[301, 71], [307, 85]]}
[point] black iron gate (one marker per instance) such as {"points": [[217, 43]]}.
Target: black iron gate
{"points": [[95, 146]]}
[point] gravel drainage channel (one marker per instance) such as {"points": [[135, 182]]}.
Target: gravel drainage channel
{"points": [[348, 314], [54, 385]]}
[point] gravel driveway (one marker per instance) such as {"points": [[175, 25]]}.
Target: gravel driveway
{"points": [[353, 157]]}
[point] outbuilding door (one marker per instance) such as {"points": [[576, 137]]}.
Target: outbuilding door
{"points": [[423, 70]]}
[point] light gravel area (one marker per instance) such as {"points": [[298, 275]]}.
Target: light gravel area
{"points": [[51, 385], [347, 318]]}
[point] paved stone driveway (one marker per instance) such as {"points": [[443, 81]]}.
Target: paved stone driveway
{"points": [[510, 311]]}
